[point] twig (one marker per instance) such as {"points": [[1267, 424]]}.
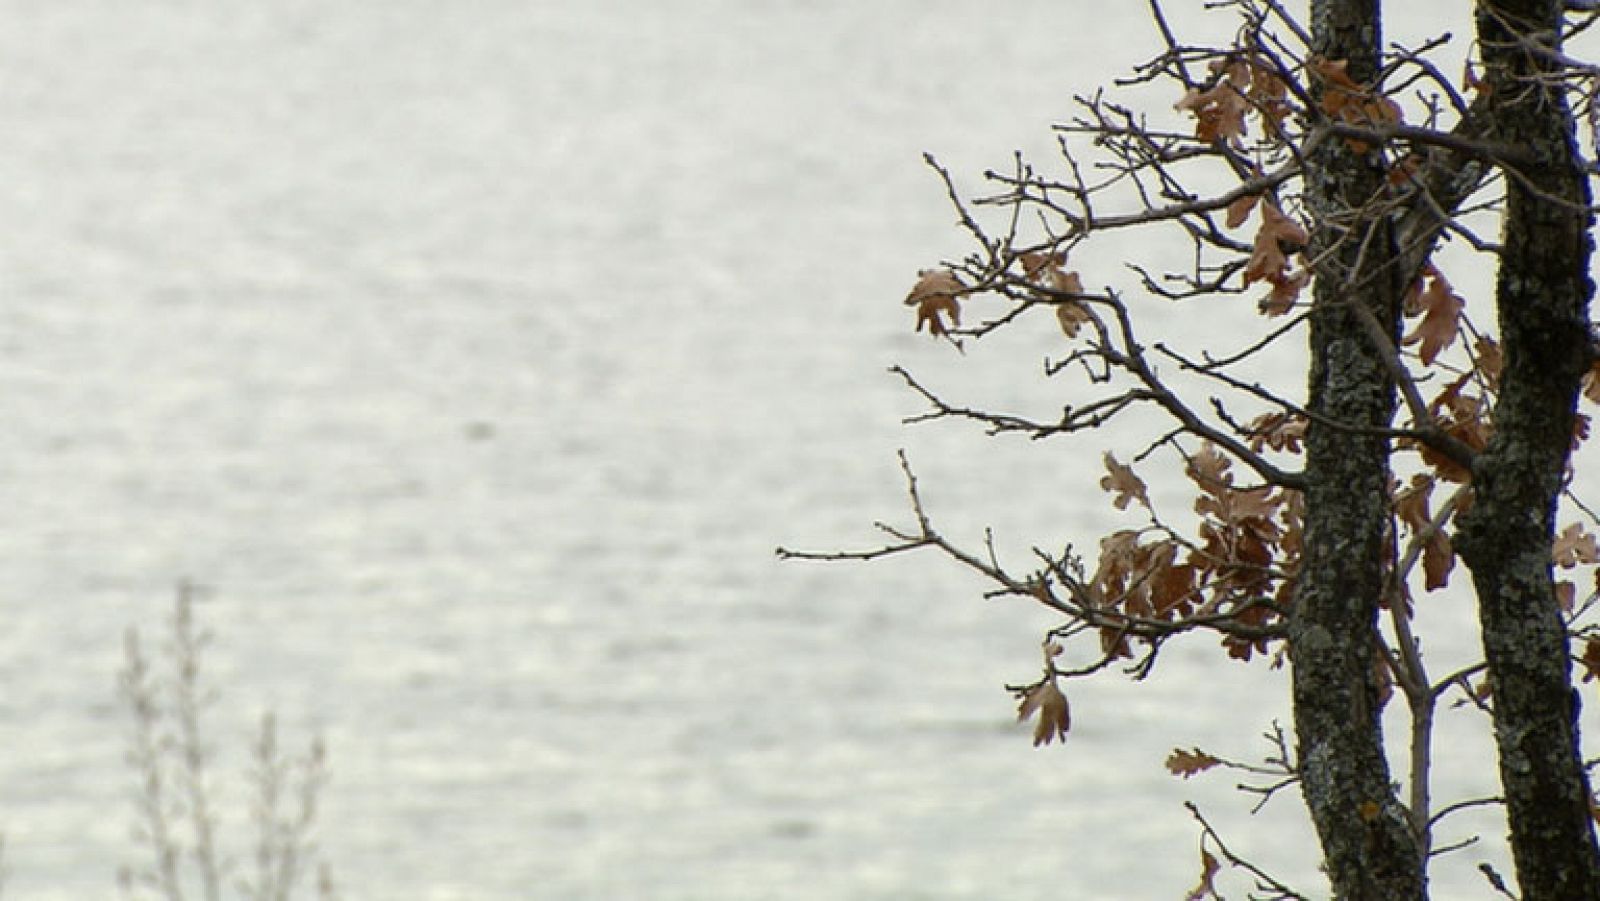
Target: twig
{"points": [[1263, 879]]}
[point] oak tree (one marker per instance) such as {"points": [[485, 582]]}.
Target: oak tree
{"points": [[1329, 181]]}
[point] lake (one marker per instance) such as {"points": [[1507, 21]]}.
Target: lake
{"points": [[474, 357]]}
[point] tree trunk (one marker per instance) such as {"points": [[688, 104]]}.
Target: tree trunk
{"points": [[1542, 296], [1369, 848]]}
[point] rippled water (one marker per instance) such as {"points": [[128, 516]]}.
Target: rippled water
{"points": [[475, 356]]}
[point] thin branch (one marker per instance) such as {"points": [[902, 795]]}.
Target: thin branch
{"points": [[1459, 806], [1133, 361], [1263, 879], [1464, 146]]}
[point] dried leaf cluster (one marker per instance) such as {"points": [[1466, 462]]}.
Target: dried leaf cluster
{"points": [[1232, 568]]}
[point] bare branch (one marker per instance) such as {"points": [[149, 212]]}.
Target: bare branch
{"points": [[1263, 880]]}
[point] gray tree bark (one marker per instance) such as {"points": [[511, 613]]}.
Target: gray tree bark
{"points": [[1369, 847], [1542, 299]]}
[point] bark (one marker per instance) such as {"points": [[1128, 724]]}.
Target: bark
{"points": [[1369, 848], [1542, 298]]}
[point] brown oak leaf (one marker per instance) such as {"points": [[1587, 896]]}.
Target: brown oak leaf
{"points": [[1037, 263], [1188, 763], [1046, 270], [1463, 417], [1067, 282], [1270, 97], [1239, 210], [1208, 469], [1072, 316], [1123, 484], [1440, 307], [1209, 867], [1411, 503], [1591, 658], [1489, 360], [1349, 102], [1438, 558], [1055, 718], [1278, 238], [1574, 547], [1566, 595], [1279, 431], [1286, 288], [1591, 383], [1220, 110], [1172, 591], [935, 297]]}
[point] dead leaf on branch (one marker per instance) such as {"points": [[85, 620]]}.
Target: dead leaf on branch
{"points": [[1279, 431], [1208, 469], [1120, 576], [1383, 678], [1440, 307], [1243, 86], [1352, 103], [1412, 508], [1209, 867], [1055, 718], [1047, 271], [1488, 360], [1270, 97], [1574, 547], [935, 295], [1117, 552], [1141, 579], [1438, 558], [1228, 506], [1114, 643], [1172, 591], [1123, 484], [1220, 110], [1591, 383], [1244, 554], [1411, 504], [1036, 264], [1591, 658], [1278, 238], [1286, 288], [1566, 595], [1239, 210], [1072, 316], [1463, 416], [1293, 513], [1188, 763]]}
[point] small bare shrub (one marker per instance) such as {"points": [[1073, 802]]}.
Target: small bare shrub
{"points": [[177, 817]]}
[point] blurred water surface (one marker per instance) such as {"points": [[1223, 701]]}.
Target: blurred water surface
{"points": [[475, 356]]}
